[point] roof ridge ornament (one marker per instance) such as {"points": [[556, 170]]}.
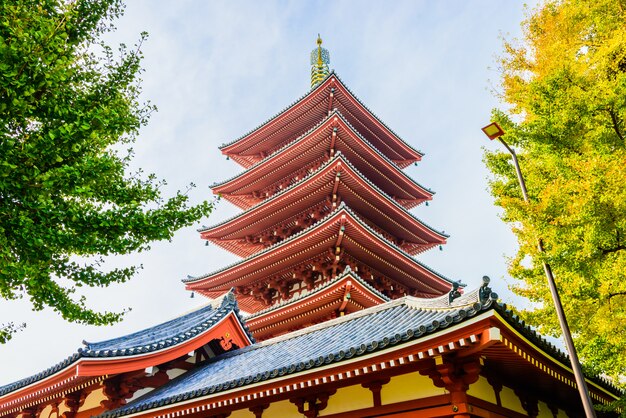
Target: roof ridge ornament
{"points": [[484, 293], [320, 58], [227, 300], [454, 293]]}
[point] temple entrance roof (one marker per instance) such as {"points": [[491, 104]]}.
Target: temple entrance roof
{"points": [[374, 342], [152, 346]]}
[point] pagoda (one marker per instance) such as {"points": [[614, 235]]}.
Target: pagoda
{"points": [[323, 192], [341, 320]]}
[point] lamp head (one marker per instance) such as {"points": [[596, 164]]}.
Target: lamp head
{"points": [[493, 130]]}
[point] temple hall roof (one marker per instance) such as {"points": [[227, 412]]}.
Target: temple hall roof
{"points": [[398, 323], [334, 341], [166, 334], [155, 340]]}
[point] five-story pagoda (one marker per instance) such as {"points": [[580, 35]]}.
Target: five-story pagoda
{"points": [[325, 229]]}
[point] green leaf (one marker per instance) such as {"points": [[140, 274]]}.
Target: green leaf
{"points": [[564, 90], [64, 106]]}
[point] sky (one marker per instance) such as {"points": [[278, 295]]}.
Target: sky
{"points": [[218, 69]]}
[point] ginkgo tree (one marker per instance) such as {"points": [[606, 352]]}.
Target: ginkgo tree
{"points": [[563, 85], [69, 113]]}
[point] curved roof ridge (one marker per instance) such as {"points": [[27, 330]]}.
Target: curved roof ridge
{"points": [[274, 196], [165, 333], [382, 192], [411, 302], [304, 294], [210, 313], [443, 302], [63, 364], [340, 207], [393, 245], [376, 150], [312, 92], [399, 206], [337, 156], [298, 100], [265, 250], [273, 154], [208, 304], [378, 119], [288, 145]]}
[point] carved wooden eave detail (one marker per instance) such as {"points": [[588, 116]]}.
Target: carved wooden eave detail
{"points": [[309, 152], [519, 361], [310, 110], [58, 385], [290, 211], [318, 254], [344, 295]]}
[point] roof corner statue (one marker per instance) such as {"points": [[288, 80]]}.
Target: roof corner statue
{"points": [[341, 320], [320, 59]]}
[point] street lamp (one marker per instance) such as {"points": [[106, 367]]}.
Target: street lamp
{"points": [[494, 131]]}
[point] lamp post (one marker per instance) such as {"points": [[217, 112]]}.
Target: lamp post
{"points": [[494, 131]]}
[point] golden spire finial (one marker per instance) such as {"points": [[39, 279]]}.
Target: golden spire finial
{"points": [[320, 58]]}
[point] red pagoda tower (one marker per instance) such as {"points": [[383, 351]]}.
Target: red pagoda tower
{"points": [[324, 198]]}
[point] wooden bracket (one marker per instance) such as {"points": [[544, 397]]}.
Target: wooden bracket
{"points": [[497, 386], [258, 410], [310, 406], [73, 401], [455, 375], [375, 387], [529, 402]]}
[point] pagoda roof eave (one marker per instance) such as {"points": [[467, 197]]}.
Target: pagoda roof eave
{"points": [[406, 144], [331, 79], [368, 335], [321, 86], [197, 283], [298, 299], [331, 119], [276, 153], [346, 291], [157, 344], [337, 164]]}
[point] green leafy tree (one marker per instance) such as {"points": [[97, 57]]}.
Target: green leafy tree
{"points": [[564, 86], [68, 105]]}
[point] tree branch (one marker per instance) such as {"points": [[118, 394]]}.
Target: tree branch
{"points": [[612, 250], [616, 124]]}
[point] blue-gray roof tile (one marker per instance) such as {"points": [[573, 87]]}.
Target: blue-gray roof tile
{"points": [[333, 341], [362, 332], [155, 338]]}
